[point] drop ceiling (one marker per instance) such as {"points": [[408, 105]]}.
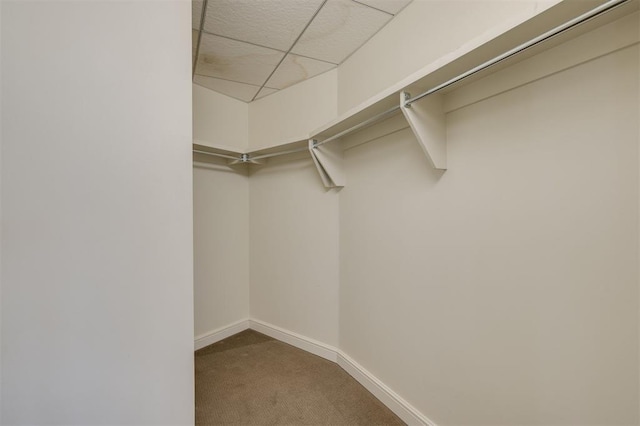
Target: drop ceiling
{"points": [[249, 49]]}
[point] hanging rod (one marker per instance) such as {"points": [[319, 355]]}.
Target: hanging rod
{"points": [[365, 123], [603, 8], [600, 10], [593, 13], [277, 153], [215, 154]]}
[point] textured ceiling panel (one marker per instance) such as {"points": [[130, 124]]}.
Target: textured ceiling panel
{"points": [[271, 23], [295, 69], [196, 13], [245, 40], [341, 27], [233, 60], [390, 6], [264, 92], [244, 92]]}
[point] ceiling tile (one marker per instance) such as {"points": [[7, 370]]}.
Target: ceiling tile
{"points": [[271, 23], [390, 6], [196, 13], [234, 60], [265, 91], [296, 68], [243, 92], [341, 27]]}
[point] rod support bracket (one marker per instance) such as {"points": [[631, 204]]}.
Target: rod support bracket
{"points": [[405, 97], [328, 162], [428, 123]]}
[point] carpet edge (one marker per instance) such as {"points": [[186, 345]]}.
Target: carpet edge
{"points": [[294, 339], [407, 412]]}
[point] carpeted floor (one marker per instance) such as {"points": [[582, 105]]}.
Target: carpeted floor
{"points": [[252, 379]]}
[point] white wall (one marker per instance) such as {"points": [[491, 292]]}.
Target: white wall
{"points": [[504, 290], [219, 120], [421, 34], [97, 297], [221, 247], [294, 249]]}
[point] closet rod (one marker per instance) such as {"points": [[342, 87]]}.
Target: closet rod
{"points": [[275, 154], [215, 154], [359, 126], [593, 13], [602, 9], [249, 158]]}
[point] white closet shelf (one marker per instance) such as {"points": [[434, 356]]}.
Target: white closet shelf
{"points": [[425, 115]]}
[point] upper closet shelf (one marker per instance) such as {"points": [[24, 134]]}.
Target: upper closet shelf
{"points": [[424, 111]]}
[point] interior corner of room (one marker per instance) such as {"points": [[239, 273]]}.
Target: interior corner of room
{"points": [[437, 199], [479, 294]]}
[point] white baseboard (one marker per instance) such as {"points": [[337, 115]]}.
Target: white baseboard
{"points": [[221, 333], [294, 339], [392, 400], [408, 413]]}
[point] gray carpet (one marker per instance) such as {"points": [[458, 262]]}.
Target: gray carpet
{"points": [[252, 379]]}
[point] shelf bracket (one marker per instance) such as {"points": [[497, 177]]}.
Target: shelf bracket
{"points": [[427, 121], [244, 159], [328, 160]]}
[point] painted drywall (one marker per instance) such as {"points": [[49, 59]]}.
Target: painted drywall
{"points": [[219, 121], [294, 249], [221, 246], [421, 34], [289, 115], [97, 266], [504, 290]]}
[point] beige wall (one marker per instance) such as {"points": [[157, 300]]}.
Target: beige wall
{"points": [[290, 115], [221, 246], [504, 290], [219, 120], [294, 249], [423, 33], [97, 266], [248, 232]]}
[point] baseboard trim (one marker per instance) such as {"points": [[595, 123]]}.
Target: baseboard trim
{"points": [[221, 333], [408, 413], [294, 339], [392, 400]]}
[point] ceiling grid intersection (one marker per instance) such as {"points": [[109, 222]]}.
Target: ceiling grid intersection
{"points": [[249, 49]]}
